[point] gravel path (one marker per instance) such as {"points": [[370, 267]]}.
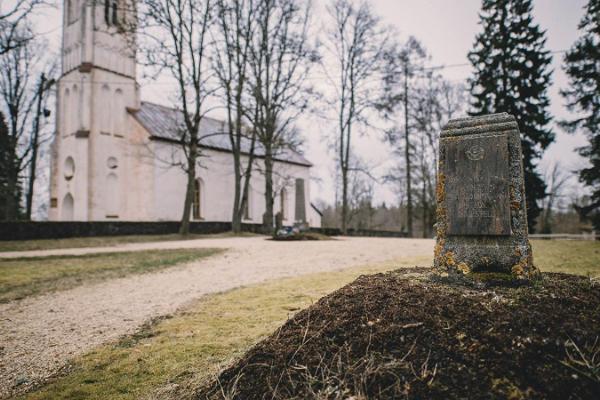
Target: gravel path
{"points": [[38, 335]]}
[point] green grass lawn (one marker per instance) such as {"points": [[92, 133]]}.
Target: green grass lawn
{"points": [[21, 277], [102, 241], [170, 357]]}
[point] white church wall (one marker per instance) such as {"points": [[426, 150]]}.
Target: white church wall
{"points": [[314, 218], [218, 186]]}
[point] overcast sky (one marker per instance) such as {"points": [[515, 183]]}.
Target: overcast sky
{"points": [[447, 29]]}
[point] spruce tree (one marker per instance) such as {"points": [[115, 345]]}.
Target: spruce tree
{"points": [[10, 189], [582, 65], [512, 75]]}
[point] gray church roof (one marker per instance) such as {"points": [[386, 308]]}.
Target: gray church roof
{"points": [[164, 122]]}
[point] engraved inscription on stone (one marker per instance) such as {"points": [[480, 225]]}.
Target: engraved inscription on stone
{"points": [[477, 186]]}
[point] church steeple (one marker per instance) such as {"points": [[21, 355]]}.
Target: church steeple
{"points": [[97, 86], [96, 33]]}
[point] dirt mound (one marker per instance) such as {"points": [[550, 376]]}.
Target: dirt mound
{"points": [[409, 335]]}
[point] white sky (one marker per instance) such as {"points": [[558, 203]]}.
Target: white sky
{"points": [[447, 28]]}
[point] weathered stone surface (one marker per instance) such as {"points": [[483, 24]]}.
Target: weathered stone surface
{"points": [[477, 186], [481, 214]]}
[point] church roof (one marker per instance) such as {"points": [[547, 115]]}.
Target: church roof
{"points": [[163, 123]]}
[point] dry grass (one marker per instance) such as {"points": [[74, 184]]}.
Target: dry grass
{"points": [[171, 357], [580, 257], [22, 277], [102, 241]]}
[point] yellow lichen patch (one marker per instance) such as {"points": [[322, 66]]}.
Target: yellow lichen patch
{"points": [[441, 187], [449, 259], [518, 271], [439, 246], [464, 268]]}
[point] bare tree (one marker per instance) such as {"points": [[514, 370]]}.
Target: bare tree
{"points": [[18, 98], [175, 39], [556, 181], [280, 59], [404, 65], [14, 29], [236, 24], [356, 42], [432, 102]]}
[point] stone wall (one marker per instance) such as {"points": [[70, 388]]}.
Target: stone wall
{"points": [[23, 230]]}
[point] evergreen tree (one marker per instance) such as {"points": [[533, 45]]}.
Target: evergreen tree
{"points": [[9, 194], [512, 75], [582, 65]]}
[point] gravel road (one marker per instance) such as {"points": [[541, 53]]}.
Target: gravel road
{"points": [[38, 335]]}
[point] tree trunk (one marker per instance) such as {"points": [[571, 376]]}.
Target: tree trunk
{"points": [[409, 205], [268, 215], [425, 209], [34, 148], [344, 201], [184, 227]]}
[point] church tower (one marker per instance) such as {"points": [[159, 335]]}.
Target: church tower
{"points": [[95, 91]]}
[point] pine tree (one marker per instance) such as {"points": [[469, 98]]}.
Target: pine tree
{"points": [[582, 65], [10, 188], [512, 75]]}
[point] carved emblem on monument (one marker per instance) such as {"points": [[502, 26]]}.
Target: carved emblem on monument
{"points": [[475, 153]]}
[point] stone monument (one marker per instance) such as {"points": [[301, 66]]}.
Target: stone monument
{"points": [[481, 213]]}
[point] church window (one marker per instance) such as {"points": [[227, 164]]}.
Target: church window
{"points": [[107, 11], [115, 7], [197, 200], [72, 113], [112, 196], [68, 206], [65, 113], [112, 163], [119, 115], [283, 207], [70, 12], [104, 111], [247, 207], [69, 168]]}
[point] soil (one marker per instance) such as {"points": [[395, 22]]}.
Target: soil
{"points": [[407, 334]]}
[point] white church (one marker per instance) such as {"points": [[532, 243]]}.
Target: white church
{"points": [[111, 155]]}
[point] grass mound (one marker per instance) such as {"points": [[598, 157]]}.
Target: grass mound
{"points": [[406, 335]]}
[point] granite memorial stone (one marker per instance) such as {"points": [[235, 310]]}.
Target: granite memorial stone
{"points": [[481, 211]]}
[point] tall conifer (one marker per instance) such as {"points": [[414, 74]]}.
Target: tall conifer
{"points": [[582, 65], [512, 75]]}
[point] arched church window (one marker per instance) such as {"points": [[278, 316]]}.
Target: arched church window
{"points": [[197, 200], [248, 206], [70, 12], [105, 106], [283, 205], [72, 110], [69, 168], [112, 196], [115, 12], [119, 115], [66, 103], [68, 207], [107, 11]]}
